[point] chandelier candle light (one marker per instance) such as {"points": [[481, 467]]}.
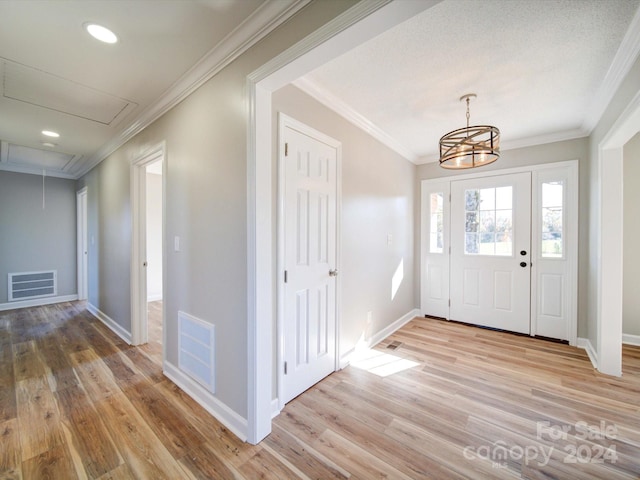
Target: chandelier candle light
{"points": [[470, 147]]}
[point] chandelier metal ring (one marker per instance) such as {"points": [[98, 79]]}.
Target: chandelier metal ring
{"points": [[470, 147]]}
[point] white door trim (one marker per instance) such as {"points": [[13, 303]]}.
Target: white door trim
{"points": [[609, 224], [572, 230], [139, 328], [82, 243], [286, 121], [360, 23]]}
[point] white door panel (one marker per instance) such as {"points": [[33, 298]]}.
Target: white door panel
{"points": [[310, 243], [490, 251]]}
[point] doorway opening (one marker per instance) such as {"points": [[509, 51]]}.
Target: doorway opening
{"points": [[148, 180], [82, 245], [153, 172]]}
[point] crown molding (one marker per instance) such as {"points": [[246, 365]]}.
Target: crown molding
{"points": [[620, 66], [260, 23], [524, 142], [341, 108]]}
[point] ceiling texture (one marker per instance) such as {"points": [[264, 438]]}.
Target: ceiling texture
{"points": [[54, 76], [543, 70]]}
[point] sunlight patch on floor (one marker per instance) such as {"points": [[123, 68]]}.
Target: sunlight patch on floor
{"points": [[380, 363]]}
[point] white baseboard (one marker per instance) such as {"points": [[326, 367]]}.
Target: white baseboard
{"points": [[381, 335], [591, 352], [230, 419], [275, 408], [110, 322], [631, 339], [37, 302], [154, 298]]}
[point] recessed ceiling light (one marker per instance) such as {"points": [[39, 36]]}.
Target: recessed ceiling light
{"points": [[49, 144], [49, 133], [101, 33]]}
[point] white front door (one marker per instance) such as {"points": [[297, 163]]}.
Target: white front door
{"points": [[309, 189], [491, 251]]}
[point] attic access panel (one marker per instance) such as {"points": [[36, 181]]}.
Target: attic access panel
{"points": [[46, 90]]}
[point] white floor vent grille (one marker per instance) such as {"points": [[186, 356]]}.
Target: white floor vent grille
{"points": [[29, 285], [196, 340]]}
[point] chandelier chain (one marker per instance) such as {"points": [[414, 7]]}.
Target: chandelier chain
{"points": [[468, 115]]}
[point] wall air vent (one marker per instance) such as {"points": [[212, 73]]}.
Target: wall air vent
{"points": [[196, 339], [29, 285]]}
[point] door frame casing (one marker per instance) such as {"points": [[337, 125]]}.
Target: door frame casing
{"points": [[283, 122], [139, 317], [571, 229], [82, 244]]}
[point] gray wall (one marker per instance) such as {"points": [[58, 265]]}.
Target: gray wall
{"points": [[631, 252], [623, 96], [206, 205], [377, 200], [577, 149], [33, 239], [109, 238]]}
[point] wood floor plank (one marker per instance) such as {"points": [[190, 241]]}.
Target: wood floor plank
{"points": [[168, 423], [263, 465], [59, 367], [53, 463], [25, 361], [38, 418], [447, 453], [89, 435], [137, 443], [10, 452], [355, 459], [121, 472], [301, 455], [203, 462], [96, 378], [77, 401]]}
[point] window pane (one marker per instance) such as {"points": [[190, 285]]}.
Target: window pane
{"points": [[471, 224], [471, 243], [436, 222], [488, 229], [504, 198], [488, 199], [552, 217], [552, 194], [488, 221], [472, 198]]}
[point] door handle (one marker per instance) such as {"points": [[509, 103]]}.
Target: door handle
{"points": [[523, 264], [333, 273]]}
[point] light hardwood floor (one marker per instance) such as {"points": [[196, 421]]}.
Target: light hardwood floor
{"points": [[77, 402]]}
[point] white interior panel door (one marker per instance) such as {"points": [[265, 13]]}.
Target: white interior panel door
{"points": [[310, 218], [490, 251]]}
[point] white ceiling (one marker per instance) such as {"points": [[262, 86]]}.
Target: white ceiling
{"points": [[54, 76], [543, 70]]}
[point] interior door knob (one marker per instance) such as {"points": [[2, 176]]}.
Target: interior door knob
{"points": [[333, 273], [523, 264]]}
